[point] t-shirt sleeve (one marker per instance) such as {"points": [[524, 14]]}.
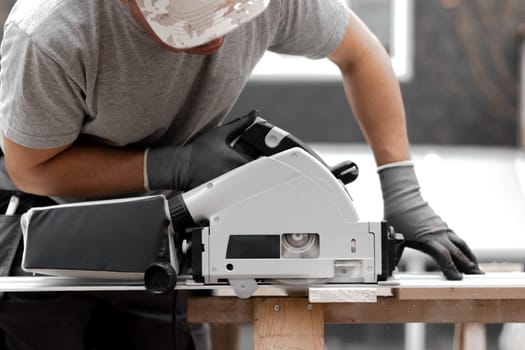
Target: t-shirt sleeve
{"points": [[41, 106], [310, 28]]}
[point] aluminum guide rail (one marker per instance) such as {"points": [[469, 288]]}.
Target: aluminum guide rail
{"points": [[404, 286]]}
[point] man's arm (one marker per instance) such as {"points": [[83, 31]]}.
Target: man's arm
{"points": [[375, 97], [88, 169], [373, 92], [81, 169]]}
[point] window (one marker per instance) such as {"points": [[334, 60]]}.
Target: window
{"points": [[390, 20]]}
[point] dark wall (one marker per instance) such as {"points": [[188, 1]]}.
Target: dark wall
{"points": [[464, 90], [466, 83]]}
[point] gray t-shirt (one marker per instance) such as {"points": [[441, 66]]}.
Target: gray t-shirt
{"points": [[85, 69]]}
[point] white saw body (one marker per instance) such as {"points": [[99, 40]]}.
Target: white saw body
{"points": [[284, 218]]}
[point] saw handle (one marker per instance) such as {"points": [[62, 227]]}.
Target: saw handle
{"points": [[346, 171], [264, 139]]}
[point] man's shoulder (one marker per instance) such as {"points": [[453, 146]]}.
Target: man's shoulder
{"points": [[34, 16], [59, 28], [62, 30], [65, 21]]}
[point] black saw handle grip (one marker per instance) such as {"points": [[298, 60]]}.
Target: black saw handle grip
{"points": [[264, 139]]}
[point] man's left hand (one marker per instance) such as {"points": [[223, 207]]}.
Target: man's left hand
{"points": [[406, 210]]}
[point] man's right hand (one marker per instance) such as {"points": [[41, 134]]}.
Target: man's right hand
{"points": [[208, 156]]}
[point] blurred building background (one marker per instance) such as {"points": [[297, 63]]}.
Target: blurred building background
{"points": [[463, 89], [5, 6]]}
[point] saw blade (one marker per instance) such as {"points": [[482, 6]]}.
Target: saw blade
{"points": [[298, 282]]}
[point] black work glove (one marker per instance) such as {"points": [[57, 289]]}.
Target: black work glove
{"points": [[410, 215], [187, 166]]}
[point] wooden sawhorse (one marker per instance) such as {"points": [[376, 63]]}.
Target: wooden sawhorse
{"points": [[296, 323]]}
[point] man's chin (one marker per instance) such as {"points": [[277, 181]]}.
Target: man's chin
{"points": [[208, 48]]}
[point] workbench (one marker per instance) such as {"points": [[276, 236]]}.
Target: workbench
{"points": [[281, 322], [296, 317]]}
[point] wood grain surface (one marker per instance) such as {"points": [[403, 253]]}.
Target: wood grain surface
{"points": [[287, 323]]}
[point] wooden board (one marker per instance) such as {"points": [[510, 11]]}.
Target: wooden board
{"points": [[386, 310], [490, 286]]}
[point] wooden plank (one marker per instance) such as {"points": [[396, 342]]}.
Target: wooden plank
{"points": [[328, 294], [391, 310], [288, 323], [220, 310], [490, 286], [460, 293], [386, 310]]}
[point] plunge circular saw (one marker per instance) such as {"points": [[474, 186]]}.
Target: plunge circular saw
{"points": [[285, 217]]}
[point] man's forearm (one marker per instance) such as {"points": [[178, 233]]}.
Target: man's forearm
{"points": [[373, 92], [375, 97], [81, 170]]}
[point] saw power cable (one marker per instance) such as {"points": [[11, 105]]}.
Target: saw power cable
{"points": [[174, 319]]}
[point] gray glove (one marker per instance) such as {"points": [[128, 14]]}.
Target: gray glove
{"points": [[410, 215], [208, 156]]}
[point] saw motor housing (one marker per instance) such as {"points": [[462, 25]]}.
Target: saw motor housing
{"points": [[284, 217]]}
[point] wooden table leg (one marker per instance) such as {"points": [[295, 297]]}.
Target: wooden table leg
{"points": [[288, 323], [469, 336], [224, 336]]}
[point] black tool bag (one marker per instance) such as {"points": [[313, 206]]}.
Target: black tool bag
{"points": [[111, 238], [10, 230]]}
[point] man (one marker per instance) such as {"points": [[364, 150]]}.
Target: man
{"points": [[118, 97]]}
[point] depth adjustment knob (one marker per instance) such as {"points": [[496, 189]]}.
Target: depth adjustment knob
{"points": [[160, 278]]}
